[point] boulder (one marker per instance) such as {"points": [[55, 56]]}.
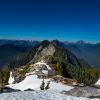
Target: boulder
{"points": [[7, 90]]}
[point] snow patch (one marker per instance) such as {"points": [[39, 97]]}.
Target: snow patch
{"points": [[42, 63], [11, 79], [46, 69], [98, 82], [32, 82]]}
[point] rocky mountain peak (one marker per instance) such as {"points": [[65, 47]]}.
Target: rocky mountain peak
{"points": [[49, 51], [81, 42], [45, 43]]}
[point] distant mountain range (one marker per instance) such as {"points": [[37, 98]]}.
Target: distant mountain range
{"points": [[89, 52], [18, 42], [10, 48], [83, 50]]}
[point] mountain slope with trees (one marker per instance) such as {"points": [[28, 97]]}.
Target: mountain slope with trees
{"points": [[88, 51], [61, 60]]}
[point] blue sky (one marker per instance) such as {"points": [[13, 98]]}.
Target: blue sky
{"points": [[70, 20]]}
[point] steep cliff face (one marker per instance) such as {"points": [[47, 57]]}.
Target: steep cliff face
{"points": [[52, 52]]}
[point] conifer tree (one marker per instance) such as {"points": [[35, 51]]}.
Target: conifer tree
{"points": [[42, 85], [47, 86]]}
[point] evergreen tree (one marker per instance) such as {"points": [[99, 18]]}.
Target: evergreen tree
{"points": [[47, 86], [42, 85]]}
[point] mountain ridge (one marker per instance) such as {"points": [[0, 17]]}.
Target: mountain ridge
{"points": [[87, 51]]}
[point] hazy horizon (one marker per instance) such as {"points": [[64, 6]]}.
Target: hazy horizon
{"points": [[91, 42]]}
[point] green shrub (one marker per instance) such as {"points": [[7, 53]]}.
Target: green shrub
{"points": [[84, 75]]}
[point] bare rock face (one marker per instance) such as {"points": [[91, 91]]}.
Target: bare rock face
{"points": [[7, 90], [18, 77], [49, 51], [85, 91], [41, 69]]}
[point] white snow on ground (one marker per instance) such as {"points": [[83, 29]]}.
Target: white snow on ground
{"points": [[42, 63], [11, 79], [39, 95], [98, 82], [31, 73], [32, 82]]}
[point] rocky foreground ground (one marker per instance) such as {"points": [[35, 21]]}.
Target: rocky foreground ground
{"points": [[77, 93], [39, 95], [85, 91]]}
